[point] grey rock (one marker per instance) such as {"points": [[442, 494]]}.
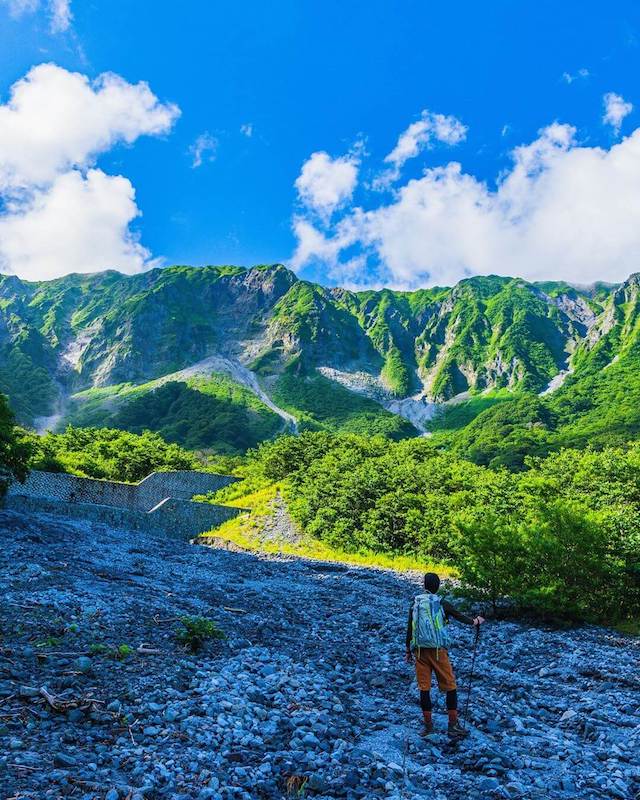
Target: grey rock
{"points": [[84, 664], [64, 760]]}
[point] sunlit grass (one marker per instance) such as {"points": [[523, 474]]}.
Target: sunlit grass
{"points": [[246, 531]]}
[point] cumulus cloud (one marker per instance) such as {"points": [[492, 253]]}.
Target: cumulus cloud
{"points": [[326, 183], [59, 11], [78, 224], [203, 149], [56, 120], [60, 214], [561, 211], [615, 110], [418, 136]]}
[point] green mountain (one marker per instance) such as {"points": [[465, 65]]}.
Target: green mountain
{"points": [[224, 357]]}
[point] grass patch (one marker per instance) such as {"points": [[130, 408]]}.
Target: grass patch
{"points": [[246, 530], [455, 416]]}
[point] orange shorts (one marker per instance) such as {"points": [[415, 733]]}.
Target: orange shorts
{"points": [[430, 659]]}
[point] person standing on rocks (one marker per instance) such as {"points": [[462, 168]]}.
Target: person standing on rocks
{"points": [[428, 645]]}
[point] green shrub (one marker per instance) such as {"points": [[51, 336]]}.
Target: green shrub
{"points": [[15, 448], [121, 652], [197, 630], [107, 453]]}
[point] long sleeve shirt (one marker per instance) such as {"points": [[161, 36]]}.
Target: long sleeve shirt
{"points": [[449, 611]]}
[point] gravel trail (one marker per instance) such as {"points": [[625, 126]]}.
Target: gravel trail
{"points": [[306, 697]]}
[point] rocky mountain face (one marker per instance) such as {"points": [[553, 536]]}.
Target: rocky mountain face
{"points": [[404, 350]]}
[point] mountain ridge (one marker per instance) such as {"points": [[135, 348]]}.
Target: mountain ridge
{"points": [[407, 352]]}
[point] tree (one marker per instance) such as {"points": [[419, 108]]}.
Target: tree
{"points": [[491, 556], [15, 449]]}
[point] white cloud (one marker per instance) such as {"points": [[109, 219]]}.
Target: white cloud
{"points": [[569, 78], [247, 129], [615, 110], [59, 11], [418, 136], [60, 214], [326, 183], [56, 120], [61, 15], [78, 224], [562, 211], [203, 149], [19, 7]]}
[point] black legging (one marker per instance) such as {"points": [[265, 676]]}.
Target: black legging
{"points": [[427, 705]]}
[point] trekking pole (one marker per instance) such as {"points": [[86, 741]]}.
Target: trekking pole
{"points": [[473, 663]]}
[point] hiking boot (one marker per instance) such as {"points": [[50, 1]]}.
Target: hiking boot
{"points": [[427, 728], [456, 731]]}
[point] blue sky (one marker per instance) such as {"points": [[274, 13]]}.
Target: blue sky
{"points": [[267, 85]]}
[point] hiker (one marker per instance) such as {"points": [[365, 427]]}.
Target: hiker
{"points": [[428, 638]]}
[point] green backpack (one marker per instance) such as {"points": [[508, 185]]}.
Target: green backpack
{"points": [[429, 622]]}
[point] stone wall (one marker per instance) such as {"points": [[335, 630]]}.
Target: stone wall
{"points": [[182, 485], [176, 520], [141, 496], [162, 501]]}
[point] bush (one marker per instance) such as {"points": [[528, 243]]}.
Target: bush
{"points": [[197, 630], [491, 556], [558, 560], [107, 453], [15, 448]]}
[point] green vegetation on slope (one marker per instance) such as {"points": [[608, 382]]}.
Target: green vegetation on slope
{"points": [[15, 448], [456, 415], [321, 404], [202, 413], [562, 538], [597, 406], [110, 454]]}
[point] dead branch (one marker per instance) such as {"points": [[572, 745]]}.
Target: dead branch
{"points": [[143, 650]]}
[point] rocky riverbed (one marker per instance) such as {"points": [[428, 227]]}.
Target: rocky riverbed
{"points": [[307, 696]]}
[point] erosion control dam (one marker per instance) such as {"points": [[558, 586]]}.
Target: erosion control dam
{"points": [[161, 501]]}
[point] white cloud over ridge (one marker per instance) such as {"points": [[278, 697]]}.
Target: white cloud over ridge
{"points": [[60, 213], [418, 136], [562, 211], [78, 224]]}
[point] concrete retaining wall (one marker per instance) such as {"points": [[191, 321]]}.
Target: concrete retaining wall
{"points": [[179, 517], [162, 501], [141, 496]]}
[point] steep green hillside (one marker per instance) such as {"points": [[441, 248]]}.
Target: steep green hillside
{"points": [[85, 337], [201, 413], [597, 405], [321, 404]]}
